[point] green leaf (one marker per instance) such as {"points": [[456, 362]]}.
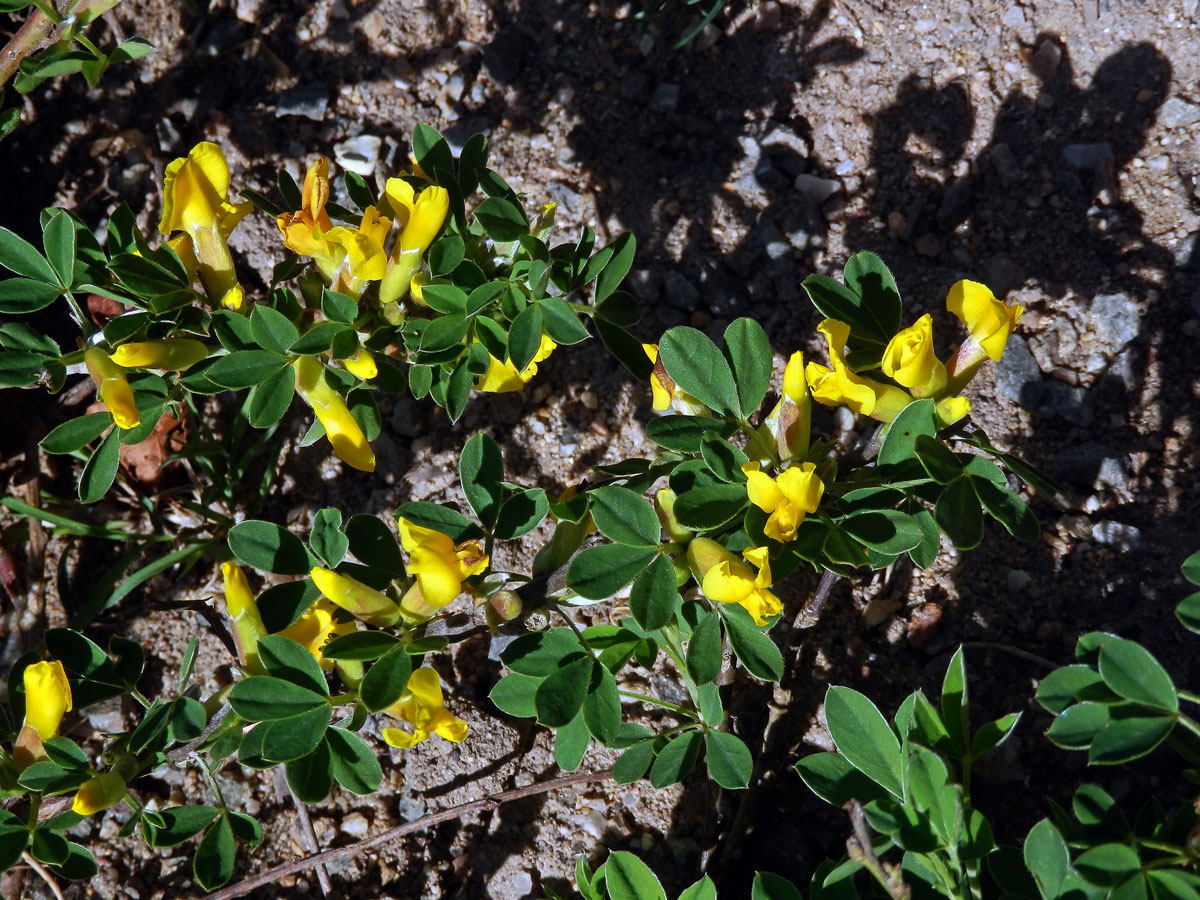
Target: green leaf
{"points": [[269, 548], [445, 254], [514, 694], [272, 330], [521, 513], [676, 760], [432, 154], [599, 572], [602, 706], [386, 680], [1191, 568], [634, 762], [261, 698], [1188, 612], [360, 645], [654, 595], [729, 761], [100, 469], [867, 276], [698, 367], [723, 459], [1131, 671], [295, 736], [76, 433], [58, 237], [768, 886], [560, 323], [245, 828], [748, 351], [1107, 865], [271, 399], [440, 518], [352, 763], [1009, 510], [502, 221], [446, 299], [244, 368], [959, 515], [182, 823], [310, 776], [20, 296], [993, 734], [134, 48], [624, 347], [1063, 686], [864, 737], [704, 889], [317, 339], [326, 537], [684, 433], [213, 864], [704, 658], [80, 864], [899, 442], [955, 703], [625, 516], [22, 258], [65, 753], [628, 878], [754, 649], [375, 545], [559, 698], [187, 720], [1076, 726], [481, 468], [13, 839], [285, 659], [571, 742], [710, 505], [834, 780], [886, 531], [541, 653], [1128, 737], [1168, 885], [937, 459], [617, 267]]}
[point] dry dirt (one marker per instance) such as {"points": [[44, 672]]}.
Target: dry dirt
{"points": [[1045, 147]]}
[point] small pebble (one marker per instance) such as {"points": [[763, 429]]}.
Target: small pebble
{"points": [[355, 824]]}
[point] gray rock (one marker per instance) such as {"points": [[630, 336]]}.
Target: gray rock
{"points": [[1002, 275], [1124, 537], [106, 717], [1124, 367], [499, 642], [1087, 156], [814, 189], [308, 100], [680, 293], [1081, 465], [358, 154], [1114, 474], [1075, 404], [665, 98], [410, 808], [1005, 164], [1014, 17], [1178, 113], [564, 195], [1186, 256], [1115, 321], [1018, 580], [1017, 374]]}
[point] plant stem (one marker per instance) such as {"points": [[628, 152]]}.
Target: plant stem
{"points": [[1189, 724], [655, 701], [1189, 696], [212, 780]]}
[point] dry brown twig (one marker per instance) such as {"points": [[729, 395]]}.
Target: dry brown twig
{"points": [[446, 815]]}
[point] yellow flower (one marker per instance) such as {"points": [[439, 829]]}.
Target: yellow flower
{"points": [[788, 498], [989, 321], [361, 364], [503, 377], [47, 700], [344, 433], [175, 354], [196, 202], [789, 423], [665, 393], [951, 409], [839, 385], [347, 258], [909, 359], [438, 566], [98, 794], [420, 217], [421, 706], [361, 601], [317, 626], [115, 391], [248, 625], [724, 579]]}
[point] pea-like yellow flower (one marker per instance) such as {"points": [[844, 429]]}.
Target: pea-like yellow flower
{"points": [[360, 600], [840, 386], [348, 258], [421, 706], [99, 793], [361, 364], [343, 431], [664, 507], [439, 566], [503, 377], [47, 700], [725, 579], [420, 217], [951, 409], [910, 360], [665, 393], [196, 202], [790, 422], [175, 354], [795, 493], [317, 627], [248, 627], [115, 391], [989, 323]]}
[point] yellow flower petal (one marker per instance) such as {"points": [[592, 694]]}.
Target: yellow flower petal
{"points": [[989, 321], [358, 599], [115, 391], [425, 221], [343, 431], [794, 385], [98, 794], [910, 359], [175, 354], [503, 377], [47, 697]]}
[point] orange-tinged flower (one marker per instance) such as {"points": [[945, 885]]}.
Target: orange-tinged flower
{"points": [[421, 706], [796, 492], [503, 377], [439, 566], [840, 386], [343, 431], [196, 202], [114, 387], [789, 423]]}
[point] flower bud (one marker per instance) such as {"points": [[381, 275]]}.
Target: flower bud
{"points": [[47, 700], [502, 607], [343, 431], [98, 794], [115, 391], [175, 354], [361, 601], [664, 506]]}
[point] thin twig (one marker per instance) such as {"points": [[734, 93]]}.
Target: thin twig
{"points": [[184, 751], [811, 611], [308, 833], [446, 815], [44, 874], [859, 847], [1015, 651]]}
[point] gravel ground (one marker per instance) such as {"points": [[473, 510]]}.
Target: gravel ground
{"points": [[1047, 148]]}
